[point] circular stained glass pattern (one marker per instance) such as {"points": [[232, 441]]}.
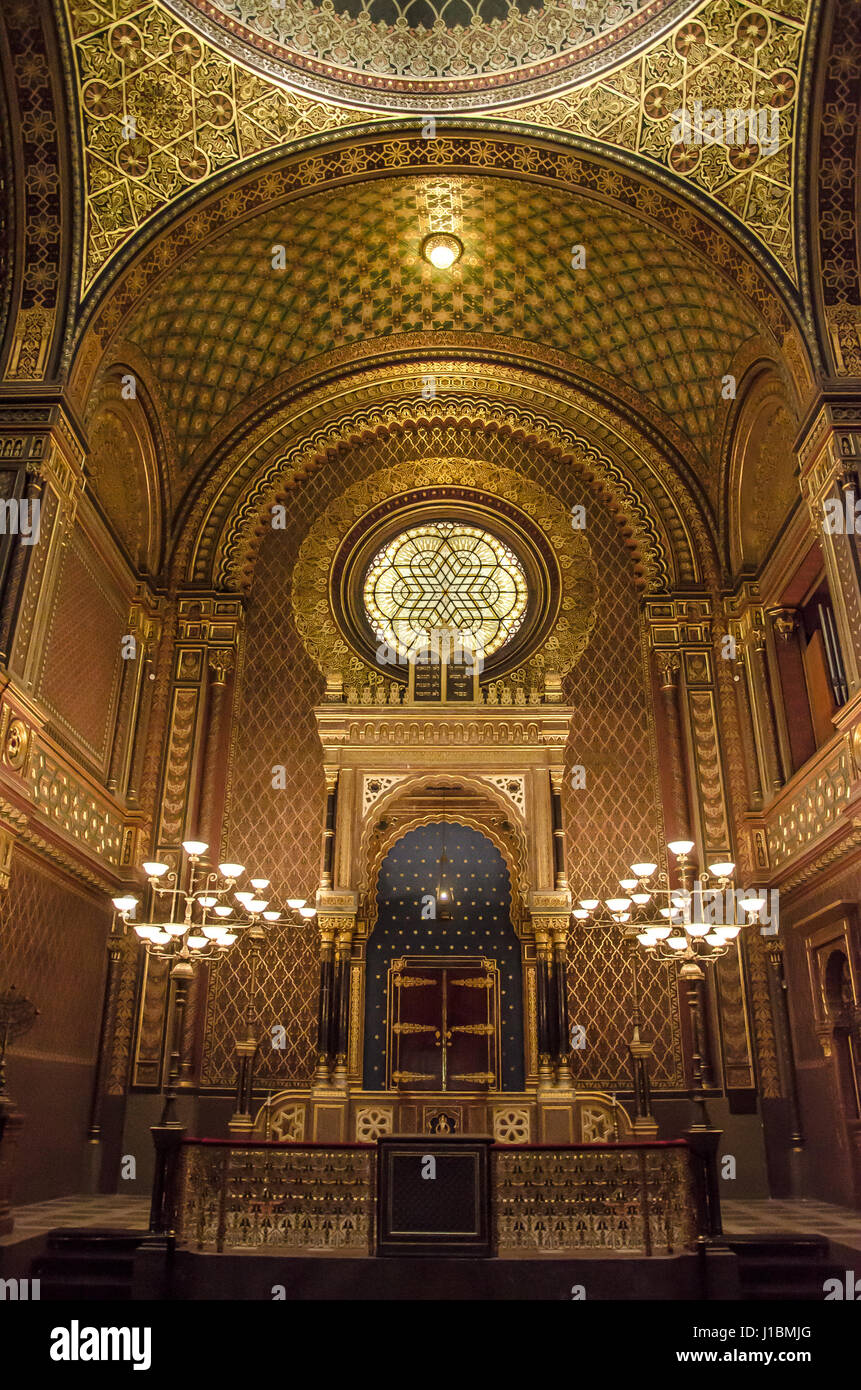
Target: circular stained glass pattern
{"points": [[445, 576]]}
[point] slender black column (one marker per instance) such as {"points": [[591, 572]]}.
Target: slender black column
{"points": [[545, 1036], [324, 1011], [326, 878], [559, 868]]}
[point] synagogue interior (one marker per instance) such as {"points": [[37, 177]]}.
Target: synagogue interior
{"points": [[430, 648]]}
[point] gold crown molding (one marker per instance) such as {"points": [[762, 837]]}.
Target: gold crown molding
{"points": [[315, 621], [665, 529]]}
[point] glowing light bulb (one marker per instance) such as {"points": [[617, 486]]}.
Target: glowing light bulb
{"points": [[442, 249], [722, 869]]}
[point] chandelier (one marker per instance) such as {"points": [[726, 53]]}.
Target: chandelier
{"points": [[203, 913], [690, 925]]}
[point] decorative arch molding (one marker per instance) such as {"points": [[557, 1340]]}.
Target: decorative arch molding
{"points": [[831, 267], [664, 521], [505, 834], [564, 161], [43, 230]]}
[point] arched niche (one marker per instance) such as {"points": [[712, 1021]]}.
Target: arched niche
{"points": [[122, 469], [408, 927], [763, 482]]}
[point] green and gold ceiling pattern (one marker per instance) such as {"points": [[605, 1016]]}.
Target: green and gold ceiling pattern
{"points": [[645, 308], [163, 110]]}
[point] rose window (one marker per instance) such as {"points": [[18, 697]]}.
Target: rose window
{"points": [[445, 577]]}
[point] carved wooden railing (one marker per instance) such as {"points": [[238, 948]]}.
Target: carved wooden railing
{"points": [[635, 1198], [235, 1195]]}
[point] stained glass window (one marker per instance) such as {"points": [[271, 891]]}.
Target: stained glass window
{"points": [[445, 577]]}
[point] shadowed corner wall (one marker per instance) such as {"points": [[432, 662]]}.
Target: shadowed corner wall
{"points": [[52, 948], [826, 1158]]}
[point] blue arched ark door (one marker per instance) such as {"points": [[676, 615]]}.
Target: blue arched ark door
{"points": [[480, 926]]}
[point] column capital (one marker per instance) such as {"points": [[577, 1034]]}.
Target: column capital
{"points": [[337, 903], [829, 444], [221, 662]]}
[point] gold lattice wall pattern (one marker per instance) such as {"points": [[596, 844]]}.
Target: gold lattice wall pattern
{"points": [[198, 112], [274, 726], [613, 740]]}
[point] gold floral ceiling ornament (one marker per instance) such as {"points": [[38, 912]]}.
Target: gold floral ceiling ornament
{"points": [[566, 612], [204, 102], [430, 55]]}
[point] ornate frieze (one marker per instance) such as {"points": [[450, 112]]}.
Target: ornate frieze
{"points": [[794, 823]]}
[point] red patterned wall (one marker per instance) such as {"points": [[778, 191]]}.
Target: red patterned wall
{"points": [[81, 663]]}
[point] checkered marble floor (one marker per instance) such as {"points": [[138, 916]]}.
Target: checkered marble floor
{"points": [[840, 1224], [126, 1213]]}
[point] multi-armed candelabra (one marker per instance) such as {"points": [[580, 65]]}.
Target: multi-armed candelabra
{"points": [[691, 924], [198, 922]]}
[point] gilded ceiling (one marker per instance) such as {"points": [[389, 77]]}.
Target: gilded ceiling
{"points": [[645, 309], [172, 97], [462, 54]]}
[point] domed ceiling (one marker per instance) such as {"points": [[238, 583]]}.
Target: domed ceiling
{"points": [[458, 54], [174, 95]]}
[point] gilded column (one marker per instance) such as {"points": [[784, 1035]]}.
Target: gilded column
{"points": [[140, 725], [561, 1050], [327, 870], [746, 732], [829, 452], [341, 1009], [220, 664], [115, 954], [544, 958], [551, 913], [559, 854], [15, 557], [764, 703], [669, 667], [328, 928]]}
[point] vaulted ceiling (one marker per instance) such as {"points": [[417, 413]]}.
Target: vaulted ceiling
{"points": [[645, 308]]}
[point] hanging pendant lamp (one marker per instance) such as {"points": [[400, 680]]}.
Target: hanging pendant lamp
{"points": [[444, 896]]}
